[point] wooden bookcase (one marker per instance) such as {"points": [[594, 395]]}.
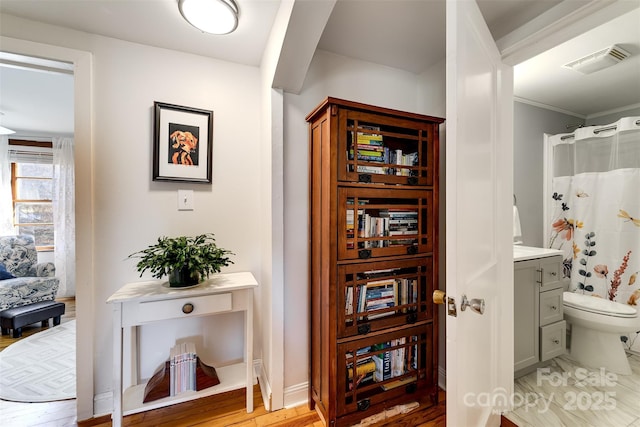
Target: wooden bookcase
{"points": [[373, 231]]}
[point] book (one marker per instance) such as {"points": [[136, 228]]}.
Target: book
{"points": [[362, 368], [159, 384], [348, 306], [367, 146], [377, 273], [378, 170], [398, 358], [373, 140], [369, 131], [381, 288], [383, 366], [398, 383], [182, 368], [368, 156]]}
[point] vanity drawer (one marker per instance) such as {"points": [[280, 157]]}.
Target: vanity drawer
{"points": [[152, 311], [553, 340], [550, 273], [551, 306]]}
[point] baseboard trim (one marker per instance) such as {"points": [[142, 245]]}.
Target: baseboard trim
{"points": [[103, 404], [442, 378], [263, 380], [296, 395]]}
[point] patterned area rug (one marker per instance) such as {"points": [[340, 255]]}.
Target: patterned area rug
{"points": [[40, 367]]}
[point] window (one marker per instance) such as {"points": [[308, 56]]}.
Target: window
{"points": [[32, 191]]}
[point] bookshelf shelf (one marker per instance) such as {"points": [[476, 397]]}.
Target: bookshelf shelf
{"points": [[231, 377], [373, 259], [140, 303]]}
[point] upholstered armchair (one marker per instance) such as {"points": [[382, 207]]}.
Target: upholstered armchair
{"points": [[22, 279]]}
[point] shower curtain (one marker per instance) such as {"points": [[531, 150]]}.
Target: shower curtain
{"points": [[592, 208]]}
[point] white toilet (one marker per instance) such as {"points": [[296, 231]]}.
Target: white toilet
{"points": [[596, 326]]}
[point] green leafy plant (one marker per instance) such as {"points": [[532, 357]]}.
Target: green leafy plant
{"points": [[197, 257]]}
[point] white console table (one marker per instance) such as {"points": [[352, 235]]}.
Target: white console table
{"points": [[140, 303]]}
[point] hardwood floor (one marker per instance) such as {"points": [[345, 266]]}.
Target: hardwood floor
{"points": [[227, 409], [223, 410], [69, 314]]}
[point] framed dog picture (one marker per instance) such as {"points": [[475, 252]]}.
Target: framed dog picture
{"points": [[182, 148]]}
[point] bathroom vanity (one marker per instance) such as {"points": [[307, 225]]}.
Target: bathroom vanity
{"points": [[539, 328]]}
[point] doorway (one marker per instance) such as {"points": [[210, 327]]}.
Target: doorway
{"points": [[544, 397], [82, 113], [38, 107]]}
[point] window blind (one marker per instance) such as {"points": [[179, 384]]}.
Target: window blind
{"points": [[29, 155]]}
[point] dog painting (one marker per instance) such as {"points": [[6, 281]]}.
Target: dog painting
{"points": [[183, 144]]}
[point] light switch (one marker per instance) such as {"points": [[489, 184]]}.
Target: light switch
{"points": [[185, 200]]}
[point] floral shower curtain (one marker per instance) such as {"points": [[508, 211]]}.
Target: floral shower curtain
{"points": [[593, 208]]}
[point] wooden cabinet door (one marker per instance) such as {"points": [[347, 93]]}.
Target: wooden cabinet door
{"points": [[384, 294], [376, 148], [374, 223], [526, 314]]}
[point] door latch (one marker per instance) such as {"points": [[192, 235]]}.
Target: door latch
{"points": [[439, 297], [451, 307]]}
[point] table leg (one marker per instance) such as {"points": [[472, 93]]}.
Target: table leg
{"points": [[117, 366], [248, 322]]}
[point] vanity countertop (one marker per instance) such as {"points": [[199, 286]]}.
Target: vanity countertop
{"points": [[523, 253]]}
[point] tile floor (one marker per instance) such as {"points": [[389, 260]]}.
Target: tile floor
{"points": [[568, 394]]}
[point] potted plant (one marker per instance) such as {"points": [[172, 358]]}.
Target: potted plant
{"points": [[186, 260]]}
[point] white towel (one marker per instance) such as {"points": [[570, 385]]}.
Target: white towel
{"points": [[517, 230]]}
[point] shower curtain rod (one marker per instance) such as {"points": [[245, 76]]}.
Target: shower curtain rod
{"points": [[596, 131]]}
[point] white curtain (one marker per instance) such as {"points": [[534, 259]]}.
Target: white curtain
{"points": [[64, 214], [595, 208], [6, 205]]}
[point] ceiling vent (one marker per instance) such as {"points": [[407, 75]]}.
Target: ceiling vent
{"points": [[598, 60]]}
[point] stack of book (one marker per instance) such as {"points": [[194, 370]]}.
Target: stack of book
{"points": [[351, 222], [395, 362], [374, 365], [370, 148], [397, 157], [378, 295], [381, 294], [183, 362], [400, 223], [365, 367], [408, 292]]}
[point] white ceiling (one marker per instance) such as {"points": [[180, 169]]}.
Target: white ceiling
{"points": [[406, 34]]}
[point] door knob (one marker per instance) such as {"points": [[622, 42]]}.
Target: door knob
{"points": [[476, 304]]}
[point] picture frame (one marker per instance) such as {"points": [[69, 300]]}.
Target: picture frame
{"points": [[182, 144]]}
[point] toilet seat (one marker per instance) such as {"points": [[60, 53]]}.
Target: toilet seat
{"points": [[598, 305]]}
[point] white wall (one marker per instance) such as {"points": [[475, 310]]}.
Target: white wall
{"points": [[129, 210], [609, 117], [530, 125], [346, 78]]}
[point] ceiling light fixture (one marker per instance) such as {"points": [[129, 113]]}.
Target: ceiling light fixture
{"points": [[210, 16], [5, 131], [598, 60]]}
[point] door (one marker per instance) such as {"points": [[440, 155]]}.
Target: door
{"points": [[479, 258]]}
